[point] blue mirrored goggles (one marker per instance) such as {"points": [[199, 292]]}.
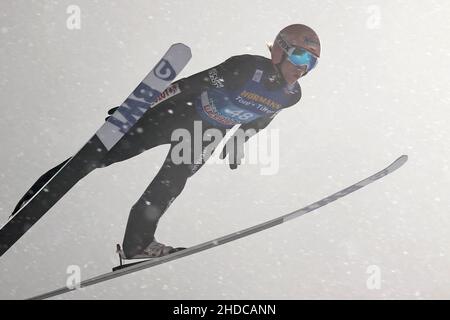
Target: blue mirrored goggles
{"points": [[300, 57]]}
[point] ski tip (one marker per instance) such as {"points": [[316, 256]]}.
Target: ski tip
{"points": [[181, 46], [402, 159]]}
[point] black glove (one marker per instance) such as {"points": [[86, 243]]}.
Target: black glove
{"points": [[110, 112], [234, 148]]}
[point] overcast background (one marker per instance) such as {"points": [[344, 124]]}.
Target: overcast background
{"points": [[379, 91]]}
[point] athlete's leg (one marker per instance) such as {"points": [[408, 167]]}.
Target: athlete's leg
{"points": [[146, 212], [153, 129], [159, 195], [146, 135]]}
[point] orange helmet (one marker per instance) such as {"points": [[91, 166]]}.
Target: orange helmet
{"points": [[295, 36]]}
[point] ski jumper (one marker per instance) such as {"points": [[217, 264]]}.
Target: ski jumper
{"points": [[245, 90]]}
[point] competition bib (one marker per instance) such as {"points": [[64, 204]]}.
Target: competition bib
{"points": [[225, 109]]}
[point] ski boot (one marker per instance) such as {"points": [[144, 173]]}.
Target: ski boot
{"points": [[152, 251]]}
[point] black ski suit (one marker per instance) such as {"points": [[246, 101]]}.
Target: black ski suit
{"points": [[245, 90]]}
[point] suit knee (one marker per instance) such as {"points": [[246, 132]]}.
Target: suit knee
{"points": [[146, 212]]}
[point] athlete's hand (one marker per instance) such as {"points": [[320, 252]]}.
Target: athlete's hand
{"points": [[235, 151]]}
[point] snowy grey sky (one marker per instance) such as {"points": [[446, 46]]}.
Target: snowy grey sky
{"points": [[379, 91]]}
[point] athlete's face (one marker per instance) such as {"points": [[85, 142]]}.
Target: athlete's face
{"points": [[290, 72]]}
